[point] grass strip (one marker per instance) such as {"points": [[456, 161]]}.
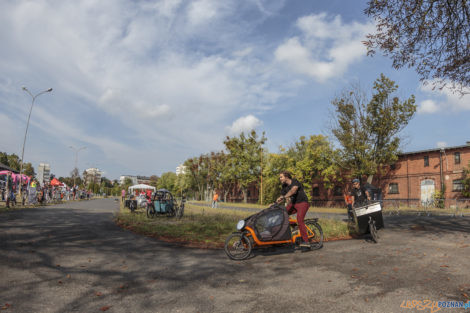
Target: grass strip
{"points": [[204, 226]]}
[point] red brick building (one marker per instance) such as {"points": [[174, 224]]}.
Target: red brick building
{"points": [[420, 174], [416, 177]]}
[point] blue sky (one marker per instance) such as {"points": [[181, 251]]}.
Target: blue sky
{"points": [[144, 85]]}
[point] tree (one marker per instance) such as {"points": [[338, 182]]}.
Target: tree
{"points": [[28, 169], [312, 159], [244, 159], [274, 164], [196, 174], [4, 158], [368, 130], [153, 180], [14, 161], [168, 181], [432, 36], [466, 182]]}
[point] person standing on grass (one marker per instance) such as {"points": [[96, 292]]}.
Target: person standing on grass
{"points": [[215, 199], [348, 200], [293, 194]]}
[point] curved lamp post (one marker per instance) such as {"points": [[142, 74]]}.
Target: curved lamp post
{"points": [[76, 159], [33, 97]]}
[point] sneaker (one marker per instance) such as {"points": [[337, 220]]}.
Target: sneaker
{"points": [[304, 244]]}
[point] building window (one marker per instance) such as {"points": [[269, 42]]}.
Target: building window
{"points": [[338, 191], [393, 166], [316, 192], [457, 185], [393, 188], [426, 160], [457, 157]]}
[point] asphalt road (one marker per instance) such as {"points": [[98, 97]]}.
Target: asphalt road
{"points": [[73, 258]]}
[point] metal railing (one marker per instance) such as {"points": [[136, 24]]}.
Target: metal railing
{"points": [[445, 207]]}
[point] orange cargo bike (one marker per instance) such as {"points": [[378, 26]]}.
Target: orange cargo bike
{"points": [[270, 227]]}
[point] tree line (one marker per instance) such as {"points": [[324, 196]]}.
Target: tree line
{"points": [[365, 132]]}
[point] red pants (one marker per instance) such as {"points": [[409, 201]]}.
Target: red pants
{"points": [[301, 209]]}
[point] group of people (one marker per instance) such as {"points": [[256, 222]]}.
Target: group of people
{"points": [[32, 192]]}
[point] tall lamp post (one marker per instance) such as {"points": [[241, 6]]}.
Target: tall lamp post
{"points": [[76, 159], [33, 97]]}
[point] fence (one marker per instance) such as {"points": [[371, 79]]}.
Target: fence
{"points": [[450, 207]]}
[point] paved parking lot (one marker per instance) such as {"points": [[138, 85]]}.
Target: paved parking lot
{"points": [[73, 258]]}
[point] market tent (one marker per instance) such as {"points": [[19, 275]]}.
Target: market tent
{"points": [[141, 187], [55, 182]]}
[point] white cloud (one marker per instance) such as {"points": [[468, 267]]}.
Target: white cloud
{"points": [[202, 11], [325, 46], [449, 100], [244, 124], [134, 76], [428, 106]]}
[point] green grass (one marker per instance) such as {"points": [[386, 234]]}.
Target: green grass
{"points": [[205, 226], [342, 210]]}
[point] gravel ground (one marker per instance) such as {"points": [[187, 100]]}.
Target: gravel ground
{"points": [[73, 258]]}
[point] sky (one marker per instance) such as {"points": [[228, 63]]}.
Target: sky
{"points": [[145, 85]]}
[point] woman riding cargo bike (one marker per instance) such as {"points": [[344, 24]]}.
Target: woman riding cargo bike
{"points": [[272, 226]]}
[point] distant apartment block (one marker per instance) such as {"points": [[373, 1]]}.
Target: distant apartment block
{"points": [[92, 175], [122, 179], [180, 169], [44, 173]]}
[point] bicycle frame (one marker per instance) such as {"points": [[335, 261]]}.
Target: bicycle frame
{"points": [[250, 233]]}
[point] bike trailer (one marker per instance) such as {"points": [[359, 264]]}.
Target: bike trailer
{"points": [[163, 206], [271, 224], [362, 214]]}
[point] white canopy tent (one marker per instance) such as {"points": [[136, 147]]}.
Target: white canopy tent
{"points": [[141, 187]]}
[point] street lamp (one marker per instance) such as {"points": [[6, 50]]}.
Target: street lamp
{"points": [[76, 159], [27, 126]]}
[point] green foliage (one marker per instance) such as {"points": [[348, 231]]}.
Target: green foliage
{"points": [[367, 130], [28, 170], [4, 158], [314, 158], [13, 161], [196, 175], [466, 182], [307, 159], [275, 163], [153, 180], [244, 159], [168, 181], [105, 182]]}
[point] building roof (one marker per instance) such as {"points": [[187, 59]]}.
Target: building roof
{"points": [[436, 149]]}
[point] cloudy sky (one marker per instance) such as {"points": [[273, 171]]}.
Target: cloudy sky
{"points": [[144, 85]]}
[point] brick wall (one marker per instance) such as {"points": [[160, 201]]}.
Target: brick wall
{"points": [[410, 171]]}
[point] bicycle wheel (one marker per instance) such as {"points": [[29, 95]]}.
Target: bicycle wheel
{"points": [[132, 207], [315, 234], [373, 231], [237, 246], [150, 211]]}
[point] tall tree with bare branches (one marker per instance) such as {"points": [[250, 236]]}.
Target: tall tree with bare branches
{"points": [[432, 36]]}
